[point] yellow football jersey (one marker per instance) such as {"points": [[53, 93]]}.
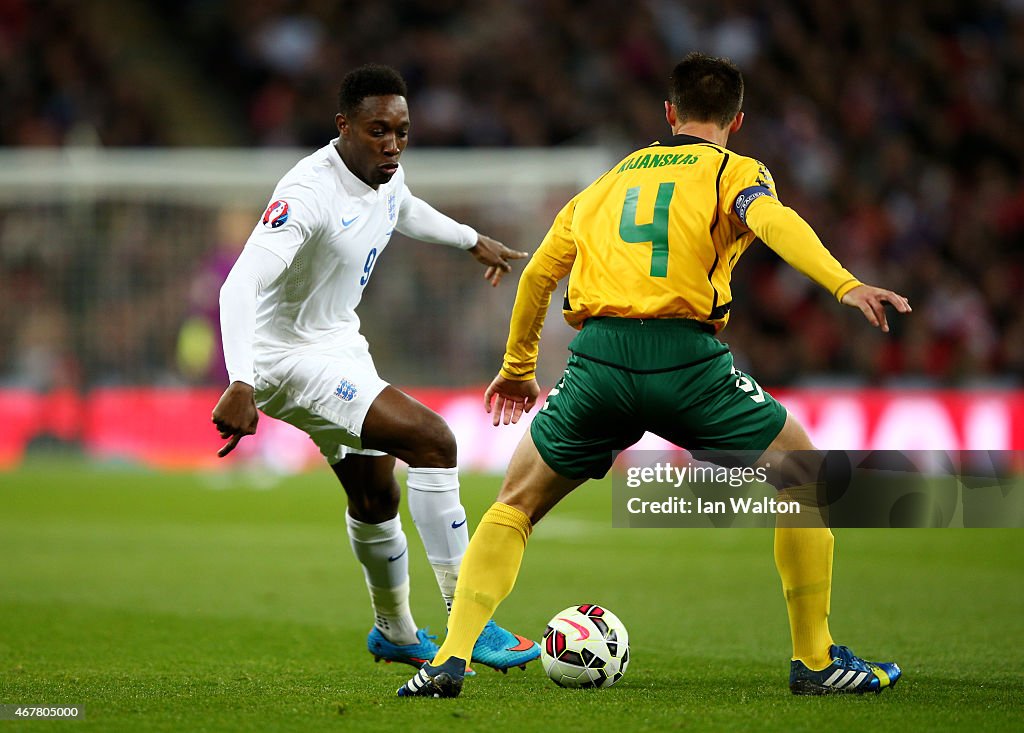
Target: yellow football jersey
{"points": [[657, 236]]}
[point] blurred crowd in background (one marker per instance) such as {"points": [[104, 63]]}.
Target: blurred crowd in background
{"points": [[893, 128]]}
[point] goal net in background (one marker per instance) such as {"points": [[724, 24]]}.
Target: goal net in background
{"points": [[110, 269], [110, 261]]}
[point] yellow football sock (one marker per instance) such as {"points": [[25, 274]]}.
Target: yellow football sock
{"points": [[803, 556], [489, 570]]}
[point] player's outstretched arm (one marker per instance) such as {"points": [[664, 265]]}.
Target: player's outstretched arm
{"points": [[420, 220], [495, 256], [871, 302], [235, 415], [513, 399], [792, 238]]}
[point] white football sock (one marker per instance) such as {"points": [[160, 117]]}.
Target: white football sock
{"points": [[441, 520], [382, 550]]}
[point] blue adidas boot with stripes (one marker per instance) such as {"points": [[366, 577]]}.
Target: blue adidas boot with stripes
{"points": [[848, 673]]}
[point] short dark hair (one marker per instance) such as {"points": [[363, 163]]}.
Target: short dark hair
{"points": [[371, 80], [706, 89]]}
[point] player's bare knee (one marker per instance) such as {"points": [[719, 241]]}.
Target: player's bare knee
{"points": [[525, 503], [799, 468], [532, 498], [436, 446]]}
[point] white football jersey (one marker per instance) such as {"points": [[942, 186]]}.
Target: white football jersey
{"points": [[329, 227], [297, 283]]}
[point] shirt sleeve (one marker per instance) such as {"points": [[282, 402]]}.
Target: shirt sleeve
{"points": [[792, 238], [290, 220], [745, 181], [255, 269], [551, 262], [420, 220]]}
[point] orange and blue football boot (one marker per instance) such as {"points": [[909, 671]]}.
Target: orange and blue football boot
{"points": [[416, 654], [501, 650]]}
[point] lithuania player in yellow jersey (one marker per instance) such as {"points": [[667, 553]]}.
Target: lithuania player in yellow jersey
{"points": [[649, 249]]}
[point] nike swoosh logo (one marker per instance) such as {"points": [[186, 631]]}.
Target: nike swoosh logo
{"points": [[456, 525], [345, 222], [524, 644], [584, 634], [392, 559]]}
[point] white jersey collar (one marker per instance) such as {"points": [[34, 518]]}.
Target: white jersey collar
{"points": [[352, 183]]}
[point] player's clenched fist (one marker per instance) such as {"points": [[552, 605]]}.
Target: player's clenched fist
{"points": [[235, 415]]}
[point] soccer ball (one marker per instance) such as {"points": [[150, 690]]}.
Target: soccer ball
{"points": [[585, 646]]}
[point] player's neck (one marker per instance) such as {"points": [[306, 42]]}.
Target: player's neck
{"points": [[705, 130], [352, 169]]}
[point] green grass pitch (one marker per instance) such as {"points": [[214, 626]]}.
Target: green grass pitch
{"points": [[197, 603]]}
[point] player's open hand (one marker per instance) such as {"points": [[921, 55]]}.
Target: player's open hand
{"points": [[871, 302], [514, 398], [235, 415], [495, 256]]}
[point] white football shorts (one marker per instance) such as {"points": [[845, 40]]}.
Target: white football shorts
{"points": [[326, 396]]}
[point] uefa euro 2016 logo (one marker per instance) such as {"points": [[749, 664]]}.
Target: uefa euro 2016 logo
{"points": [[345, 390], [276, 214]]}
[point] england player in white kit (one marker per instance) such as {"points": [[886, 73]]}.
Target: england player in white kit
{"points": [[293, 348]]}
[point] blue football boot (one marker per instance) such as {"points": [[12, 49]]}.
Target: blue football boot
{"points": [[848, 673], [501, 649], [444, 680], [416, 654]]}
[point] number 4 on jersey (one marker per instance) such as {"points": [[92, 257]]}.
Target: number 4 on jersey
{"points": [[656, 232]]}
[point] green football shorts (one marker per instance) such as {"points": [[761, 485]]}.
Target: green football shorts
{"points": [[670, 377]]}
